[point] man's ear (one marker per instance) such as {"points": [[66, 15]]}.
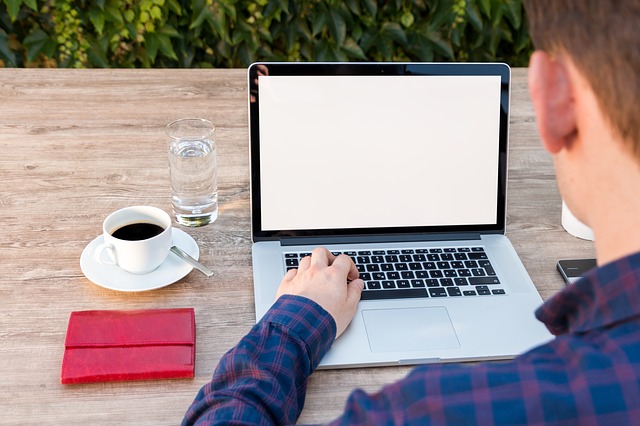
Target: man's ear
{"points": [[552, 95]]}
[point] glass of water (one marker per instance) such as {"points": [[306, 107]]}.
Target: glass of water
{"points": [[193, 169]]}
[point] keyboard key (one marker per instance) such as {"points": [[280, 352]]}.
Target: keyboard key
{"points": [[460, 256], [446, 282], [477, 255], [429, 265], [403, 284], [393, 294], [393, 275], [464, 273], [450, 273], [387, 267], [478, 272], [415, 266], [422, 274], [391, 259], [407, 251], [436, 250], [433, 257], [405, 258], [419, 258], [432, 283], [393, 251], [446, 256], [498, 291], [469, 293], [417, 283], [436, 273], [402, 267], [477, 249], [365, 276], [443, 265], [291, 255], [407, 275], [483, 290], [388, 284], [292, 262], [364, 253], [483, 280], [450, 250], [461, 281], [374, 285], [437, 292], [454, 291], [378, 275], [372, 267]]}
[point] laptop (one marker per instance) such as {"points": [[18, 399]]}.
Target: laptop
{"points": [[403, 167]]}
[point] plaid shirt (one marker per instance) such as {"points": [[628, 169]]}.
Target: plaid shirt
{"points": [[589, 374]]}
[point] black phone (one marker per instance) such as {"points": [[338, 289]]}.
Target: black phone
{"points": [[572, 269]]}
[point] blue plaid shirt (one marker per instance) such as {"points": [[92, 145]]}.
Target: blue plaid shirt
{"points": [[589, 374]]}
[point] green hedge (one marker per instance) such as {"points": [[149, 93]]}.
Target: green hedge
{"points": [[234, 33]]}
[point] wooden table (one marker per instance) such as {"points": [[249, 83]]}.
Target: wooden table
{"points": [[78, 144]]}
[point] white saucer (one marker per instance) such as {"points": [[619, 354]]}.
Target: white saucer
{"points": [[114, 278]]}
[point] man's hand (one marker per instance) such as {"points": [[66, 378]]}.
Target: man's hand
{"points": [[324, 278]]}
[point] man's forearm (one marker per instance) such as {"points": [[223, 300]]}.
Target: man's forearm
{"points": [[263, 379]]}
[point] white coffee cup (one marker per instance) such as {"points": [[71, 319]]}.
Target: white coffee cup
{"points": [[573, 226], [136, 239]]}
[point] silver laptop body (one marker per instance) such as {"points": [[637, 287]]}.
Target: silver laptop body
{"points": [[384, 161]]}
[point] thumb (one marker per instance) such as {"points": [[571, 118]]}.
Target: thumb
{"points": [[354, 291]]}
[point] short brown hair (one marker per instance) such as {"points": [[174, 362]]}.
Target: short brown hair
{"points": [[602, 37]]}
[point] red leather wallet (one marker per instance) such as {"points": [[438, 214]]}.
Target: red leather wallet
{"points": [[103, 346]]}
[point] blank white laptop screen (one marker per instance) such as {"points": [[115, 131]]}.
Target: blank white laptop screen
{"points": [[341, 152]]}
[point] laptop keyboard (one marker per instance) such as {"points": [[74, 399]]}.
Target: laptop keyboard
{"points": [[408, 273]]}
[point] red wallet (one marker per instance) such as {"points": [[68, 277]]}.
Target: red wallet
{"points": [[103, 346]]}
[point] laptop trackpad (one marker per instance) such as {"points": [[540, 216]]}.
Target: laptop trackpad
{"points": [[409, 329]]}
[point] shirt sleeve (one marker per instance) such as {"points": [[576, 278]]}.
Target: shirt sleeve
{"points": [[263, 380]]}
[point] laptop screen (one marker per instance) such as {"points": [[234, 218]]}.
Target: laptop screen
{"points": [[377, 148]]}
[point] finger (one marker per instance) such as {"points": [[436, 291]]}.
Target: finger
{"points": [[304, 263], [291, 273], [354, 292], [346, 266], [320, 256]]}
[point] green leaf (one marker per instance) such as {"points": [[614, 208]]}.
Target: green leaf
{"points": [[166, 47], [474, 16], [444, 46], [393, 31], [13, 7], [5, 51], [318, 23], [153, 44], [514, 12], [372, 7], [337, 27], [32, 4], [97, 19], [354, 7], [38, 42], [353, 50], [485, 6]]}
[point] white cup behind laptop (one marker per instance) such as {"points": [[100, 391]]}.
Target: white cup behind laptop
{"points": [[573, 226]]}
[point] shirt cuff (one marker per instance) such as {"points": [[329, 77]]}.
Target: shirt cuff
{"points": [[308, 320]]}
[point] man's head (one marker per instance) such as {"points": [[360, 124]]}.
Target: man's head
{"points": [[602, 38]]}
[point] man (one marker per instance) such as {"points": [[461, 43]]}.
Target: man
{"points": [[584, 79]]}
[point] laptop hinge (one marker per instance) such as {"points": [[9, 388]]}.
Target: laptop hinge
{"points": [[372, 239]]}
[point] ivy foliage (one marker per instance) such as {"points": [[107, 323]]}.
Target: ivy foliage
{"points": [[235, 33]]}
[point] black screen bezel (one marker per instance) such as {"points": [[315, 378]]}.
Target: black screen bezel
{"points": [[375, 69]]}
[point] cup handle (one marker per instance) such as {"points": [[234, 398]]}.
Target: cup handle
{"points": [[104, 247]]}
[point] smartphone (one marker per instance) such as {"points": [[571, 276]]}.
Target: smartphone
{"points": [[572, 269]]}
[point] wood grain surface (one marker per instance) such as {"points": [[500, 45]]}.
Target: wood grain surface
{"points": [[76, 145]]}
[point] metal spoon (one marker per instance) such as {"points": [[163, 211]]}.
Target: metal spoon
{"points": [[190, 260]]}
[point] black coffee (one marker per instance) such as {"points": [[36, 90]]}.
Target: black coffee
{"points": [[137, 231]]}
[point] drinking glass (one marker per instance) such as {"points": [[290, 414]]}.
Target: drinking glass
{"points": [[193, 170]]}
